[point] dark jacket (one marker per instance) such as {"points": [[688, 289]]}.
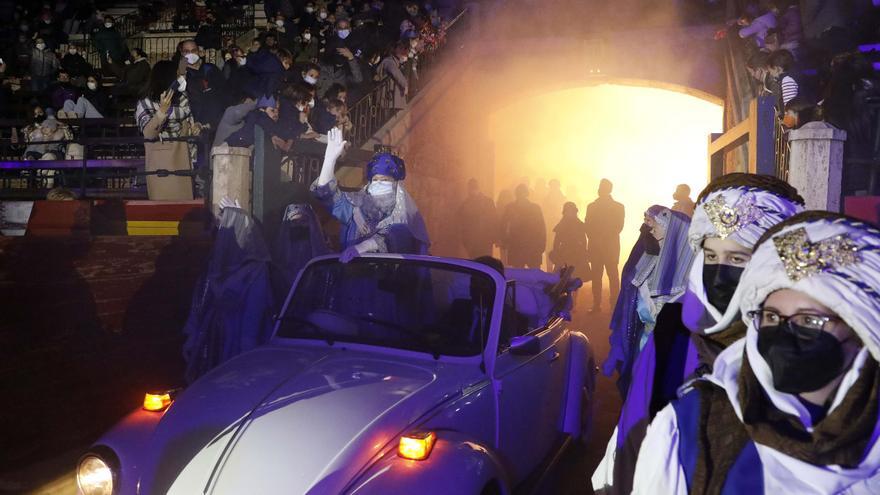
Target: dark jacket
{"points": [[206, 89], [603, 223], [109, 40], [76, 65]]}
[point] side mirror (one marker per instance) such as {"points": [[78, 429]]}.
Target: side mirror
{"points": [[526, 345]]}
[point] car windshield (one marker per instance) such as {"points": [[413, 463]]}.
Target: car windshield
{"points": [[431, 307]]}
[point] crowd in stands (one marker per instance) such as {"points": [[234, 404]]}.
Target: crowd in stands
{"points": [[309, 63], [814, 58]]}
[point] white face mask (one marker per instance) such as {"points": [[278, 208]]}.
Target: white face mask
{"points": [[322, 15], [343, 33], [380, 187], [242, 60], [108, 25], [312, 103], [307, 36], [92, 86], [310, 9], [41, 46], [191, 58], [310, 79], [72, 51], [279, 23], [181, 84]]}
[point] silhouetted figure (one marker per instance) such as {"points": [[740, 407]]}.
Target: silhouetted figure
{"points": [[604, 222], [523, 232], [551, 205], [479, 228], [683, 202], [233, 304], [299, 240], [570, 242]]}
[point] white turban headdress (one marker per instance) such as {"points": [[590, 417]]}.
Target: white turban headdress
{"points": [[741, 213]]}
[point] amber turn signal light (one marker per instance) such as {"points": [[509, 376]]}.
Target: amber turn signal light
{"points": [[417, 446], [157, 401]]}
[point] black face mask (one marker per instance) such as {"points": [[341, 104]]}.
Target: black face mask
{"points": [[720, 282], [39, 118], [801, 359], [652, 245]]}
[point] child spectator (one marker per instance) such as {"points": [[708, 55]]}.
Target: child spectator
{"points": [[779, 67]]}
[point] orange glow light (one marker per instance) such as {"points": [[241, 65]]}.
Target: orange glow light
{"points": [[157, 402], [417, 446]]}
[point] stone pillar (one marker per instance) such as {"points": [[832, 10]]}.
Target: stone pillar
{"points": [[232, 176], [816, 165]]}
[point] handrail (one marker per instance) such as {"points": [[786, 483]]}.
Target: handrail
{"points": [[757, 130]]}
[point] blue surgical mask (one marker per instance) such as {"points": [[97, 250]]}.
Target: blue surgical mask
{"points": [[343, 33], [380, 187]]}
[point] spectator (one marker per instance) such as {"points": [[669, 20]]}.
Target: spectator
{"points": [[75, 65], [336, 92], [94, 103], [523, 232], [818, 17], [570, 242], [683, 202], [60, 91], [339, 64], [43, 65], [164, 112], [779, 67], [109, 43], [233, 120], [47, 130], [284, 32], [757, 69], [391, 66], [306, 47], [266, 116], [22, 51], [50, 31], [479, 233], [208, 34], [604, 222], [205, 86], [757, 28], [133, 76], [790, 27], [310, 74], [339, 111]]}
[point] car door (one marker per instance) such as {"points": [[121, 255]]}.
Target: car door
{"points": [[529, 391]]}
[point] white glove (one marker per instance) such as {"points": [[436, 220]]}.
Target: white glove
{"points": [[335, 147], [227, 203], [352, 252], [349, 254]]}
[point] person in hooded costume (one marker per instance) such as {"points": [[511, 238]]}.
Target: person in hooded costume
{"points": [[379, 218], [792, 407], [233, 303], [732, 213], [657, 277], [299, 240]]}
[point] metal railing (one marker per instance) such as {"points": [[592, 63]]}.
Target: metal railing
{"points": [[782, 149], [105, 167]]}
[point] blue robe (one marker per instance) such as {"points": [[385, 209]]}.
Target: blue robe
{"points": [[402, 231], [233, 304]]}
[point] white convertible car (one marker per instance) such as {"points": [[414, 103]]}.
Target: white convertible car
{"points": [[389, 374]]}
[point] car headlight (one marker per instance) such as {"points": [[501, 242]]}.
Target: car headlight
{"points": [[94, 476]]}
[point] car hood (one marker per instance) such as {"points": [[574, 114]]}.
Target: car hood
{"points": [[292, 419]]}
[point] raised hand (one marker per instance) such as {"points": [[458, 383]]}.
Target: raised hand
{"points": [[335, 144]]}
